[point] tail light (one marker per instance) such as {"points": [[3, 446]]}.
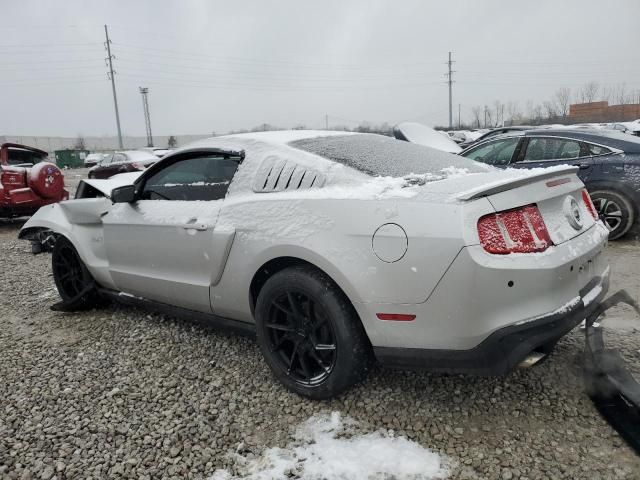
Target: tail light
{"points": [[521, 230], [586, 198], [138, 166]]}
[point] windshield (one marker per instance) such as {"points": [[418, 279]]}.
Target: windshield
{"points": [[377, 155], [20, 156]]}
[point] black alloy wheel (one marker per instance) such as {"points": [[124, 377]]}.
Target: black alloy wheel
{"points": [[301, 338], [310, 334], [75, 284]]}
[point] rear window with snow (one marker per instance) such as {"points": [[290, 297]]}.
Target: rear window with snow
{"points": [[377, 155]]}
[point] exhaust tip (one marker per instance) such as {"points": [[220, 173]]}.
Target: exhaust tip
{"points": [[532, 359]]}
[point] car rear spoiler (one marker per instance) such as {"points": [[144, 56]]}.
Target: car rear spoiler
{"points": [[508, 184], [612, 388]]}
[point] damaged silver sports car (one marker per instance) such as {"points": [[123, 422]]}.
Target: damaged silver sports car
{"points": [[339, 250]]}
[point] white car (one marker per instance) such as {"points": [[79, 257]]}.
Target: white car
{"points": [[338, 249], [93, 159]]}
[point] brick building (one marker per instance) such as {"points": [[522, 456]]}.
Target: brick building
{"points": [[603, 112]]}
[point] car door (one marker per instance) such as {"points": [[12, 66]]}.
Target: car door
{"points": [[498, 152], [164, 246], [541, 151]]}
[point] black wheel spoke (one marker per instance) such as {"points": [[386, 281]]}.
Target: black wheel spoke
{"points": [[295, 304], [282, 308], [319, 361], [305, 366], [282, 328], [280, 343], [293, 357]]}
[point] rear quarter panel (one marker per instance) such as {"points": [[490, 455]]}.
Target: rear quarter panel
{"points": [[336, 236]]}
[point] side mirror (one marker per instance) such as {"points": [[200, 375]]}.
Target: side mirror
{"points": [[125, 194]]}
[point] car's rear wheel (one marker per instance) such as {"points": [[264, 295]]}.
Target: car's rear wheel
{"points": [[76, 286], [615, 210], [309, 333]]}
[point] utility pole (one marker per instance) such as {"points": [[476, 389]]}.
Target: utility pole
{"points": [[449, 75], [326, 122], [113, 84], [147, 118]]}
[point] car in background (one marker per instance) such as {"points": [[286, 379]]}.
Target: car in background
{"points": [[608, 162], [122, 162], [495, 132], [27, 180], [93, 159], [158, 152], [338, 249], [423, 135]]}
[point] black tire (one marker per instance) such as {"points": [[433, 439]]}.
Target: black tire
{"points": [[615, 210], [310, 334], [75, 285]]}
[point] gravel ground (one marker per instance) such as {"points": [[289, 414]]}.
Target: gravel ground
{"points": [[125, 393]]}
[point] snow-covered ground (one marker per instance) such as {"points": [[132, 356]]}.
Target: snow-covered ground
{"points": [[325, 447]]}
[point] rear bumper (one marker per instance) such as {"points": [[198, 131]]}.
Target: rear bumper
{"points": [[505, 348], [24, 201]]}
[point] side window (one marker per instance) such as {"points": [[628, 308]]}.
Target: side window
{"points": [[597, 149], [498, 152], [106, 160], [205, 177], [549, 148]]}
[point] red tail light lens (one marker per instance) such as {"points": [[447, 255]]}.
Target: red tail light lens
{"points": [[521, 230], [586, 198], [138, 166]]}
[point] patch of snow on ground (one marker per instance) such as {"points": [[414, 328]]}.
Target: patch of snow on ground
{"points": [[326, 448]]}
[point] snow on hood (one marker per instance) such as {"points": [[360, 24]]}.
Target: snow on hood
{"points": [[423, 135], [105, 186]]}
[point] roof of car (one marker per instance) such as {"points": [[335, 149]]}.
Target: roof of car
{"points": [[609, 138]]}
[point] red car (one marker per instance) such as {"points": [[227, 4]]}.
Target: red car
{"points": [[27, 180]]}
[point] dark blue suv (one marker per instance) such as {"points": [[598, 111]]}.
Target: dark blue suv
{"points": [[609, 165]]}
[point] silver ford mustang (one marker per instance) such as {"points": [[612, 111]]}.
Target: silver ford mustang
{"points": [[340, 249]]}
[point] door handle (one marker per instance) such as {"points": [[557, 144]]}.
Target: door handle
{"points": [[192, 224], [582, 166]]}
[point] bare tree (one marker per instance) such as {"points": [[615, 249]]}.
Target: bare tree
{"points": [[488, 120], [589, 92], [537, 114], [562, 98], [80, 143], [550, 109], [621, 94], [499, 108], [477, 113], [513, 113]]}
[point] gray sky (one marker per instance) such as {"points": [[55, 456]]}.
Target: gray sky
{"points": [[222, 65]]}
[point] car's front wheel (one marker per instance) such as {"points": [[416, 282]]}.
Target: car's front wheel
{"points": [[76, 286], [615, 210], [309, 333]]}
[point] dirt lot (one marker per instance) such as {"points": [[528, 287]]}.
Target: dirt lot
{"points": [[124, 393]]}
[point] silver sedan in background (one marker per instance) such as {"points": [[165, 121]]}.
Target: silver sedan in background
{"points": [[338, 250]]}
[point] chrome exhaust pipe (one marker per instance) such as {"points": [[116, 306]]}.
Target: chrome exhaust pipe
{"points": [[532, 359]]}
